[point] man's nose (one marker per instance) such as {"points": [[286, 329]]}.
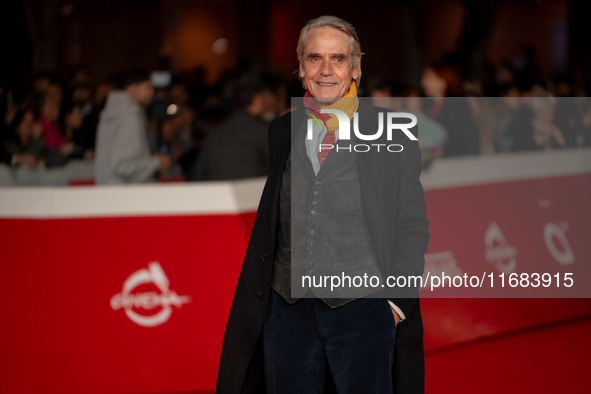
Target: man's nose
{"points": [[326, 69]]}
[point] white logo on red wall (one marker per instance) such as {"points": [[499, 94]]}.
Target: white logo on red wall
{"points": [[498, 250], [160, 303], [562, 253]]}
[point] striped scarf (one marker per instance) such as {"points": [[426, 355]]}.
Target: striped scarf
{"points": [[345, 104]]}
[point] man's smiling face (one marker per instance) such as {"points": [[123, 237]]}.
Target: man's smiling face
{"points": [[326, 67]]}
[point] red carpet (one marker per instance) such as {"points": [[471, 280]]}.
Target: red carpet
{"points": [[554, 359]]}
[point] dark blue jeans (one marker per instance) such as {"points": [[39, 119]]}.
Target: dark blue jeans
{"points": [[356, 341]]}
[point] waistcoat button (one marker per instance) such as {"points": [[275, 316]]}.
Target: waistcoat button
{"points": [[258, 296], [265, 257]]}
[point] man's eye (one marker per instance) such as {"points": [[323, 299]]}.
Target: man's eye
{"points": [[339, 59]]}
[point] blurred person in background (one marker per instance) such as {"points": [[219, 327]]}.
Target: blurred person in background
{"points": [[396, 97], [122, 150], [81, 119], [186, 147], [179, 130], [172, 135], [54, 93], [573, 118], [533, 127], [275, 101], [505, 109], [81, 95], [42, 81], [102, 92], [24, 145], [485, 121], [546, 134], [58, 148], [8, 107], [483, 115], [72, 121], [518, 136], [237, 148], [441, 84], [179, 94], [79, 75], [384, 93], [562, 85], [91, 120], [432, 135], [531, 86]]}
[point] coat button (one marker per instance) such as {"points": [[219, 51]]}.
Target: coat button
{"points": [[265, 257], [258, 296]]}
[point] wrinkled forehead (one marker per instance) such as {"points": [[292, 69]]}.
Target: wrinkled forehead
{"points": [[327, 40]]}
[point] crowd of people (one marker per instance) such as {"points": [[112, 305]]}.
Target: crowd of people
{"points": [[516, 112], [137, 127]]}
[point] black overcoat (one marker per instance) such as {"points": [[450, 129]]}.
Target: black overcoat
{"points": [[394, 205]]}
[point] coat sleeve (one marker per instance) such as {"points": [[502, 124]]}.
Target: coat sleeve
{"points": [[272, 134], [129, 159], [411, 235]]}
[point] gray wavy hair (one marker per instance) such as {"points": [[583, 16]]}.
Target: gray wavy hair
{"points": [[335, 23]]}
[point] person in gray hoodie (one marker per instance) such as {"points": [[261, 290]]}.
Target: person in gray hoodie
{"points": [[122, 150]]}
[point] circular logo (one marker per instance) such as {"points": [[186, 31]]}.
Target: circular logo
{"points": [[148, 300]]}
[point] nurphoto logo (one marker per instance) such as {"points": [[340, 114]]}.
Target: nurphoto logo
{"points": [[345, 130]]}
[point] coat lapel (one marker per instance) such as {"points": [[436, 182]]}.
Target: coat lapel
{"points": [[299, 154], [281, 150], [371, 164]]}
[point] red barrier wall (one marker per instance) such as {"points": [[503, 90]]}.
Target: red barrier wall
{"points": [[109, 302]]}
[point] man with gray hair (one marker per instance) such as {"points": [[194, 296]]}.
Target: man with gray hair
{"points": [[329, 208]]}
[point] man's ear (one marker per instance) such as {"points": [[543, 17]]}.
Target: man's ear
{"points": [[355, 74]]}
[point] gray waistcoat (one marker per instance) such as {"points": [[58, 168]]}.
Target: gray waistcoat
{"points": [[322, 229]]}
